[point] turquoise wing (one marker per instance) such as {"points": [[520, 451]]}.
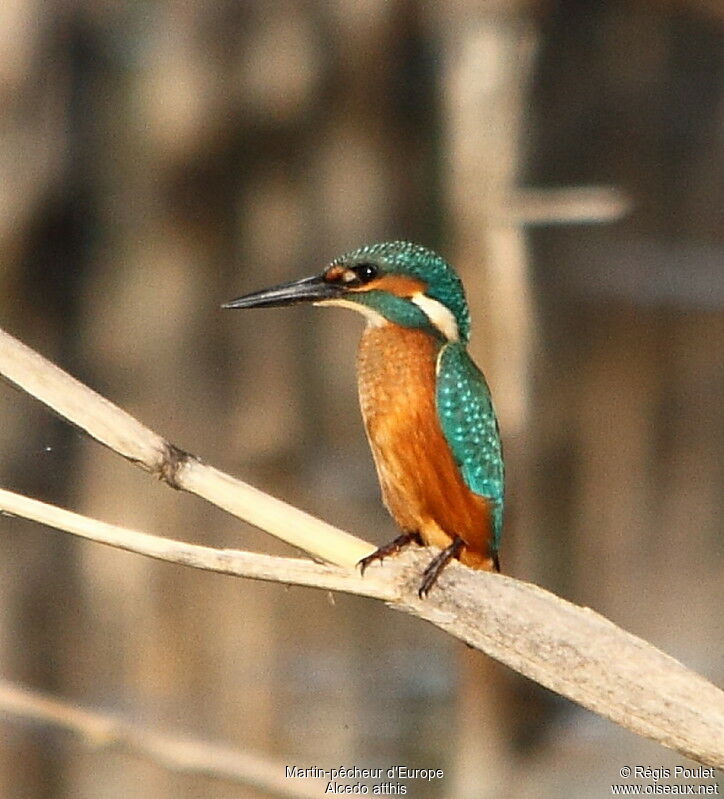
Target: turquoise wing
{"points": [[470, 426]]}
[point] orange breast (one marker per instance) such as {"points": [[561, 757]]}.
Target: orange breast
{"points": [[421, 484]]}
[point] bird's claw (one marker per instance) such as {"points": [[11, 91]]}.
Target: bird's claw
{"points": [[388, 549]]}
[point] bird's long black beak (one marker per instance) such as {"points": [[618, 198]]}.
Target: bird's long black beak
{"points": [[309, 289]]}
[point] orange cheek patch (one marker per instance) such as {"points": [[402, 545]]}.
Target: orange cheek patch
{"points": [[401, 285], [334, 273]]}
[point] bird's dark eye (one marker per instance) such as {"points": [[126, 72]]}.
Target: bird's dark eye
{"points": [[365, 272]]}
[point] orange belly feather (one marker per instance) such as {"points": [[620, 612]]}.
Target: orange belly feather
{"points": [[421, 484]]}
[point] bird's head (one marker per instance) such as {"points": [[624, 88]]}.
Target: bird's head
{"points": [[396, 281]]}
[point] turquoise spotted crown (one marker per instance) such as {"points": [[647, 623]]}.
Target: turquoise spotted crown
{"points": [[406, 258]]}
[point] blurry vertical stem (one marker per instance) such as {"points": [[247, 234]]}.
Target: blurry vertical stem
{"points": [[488, 64], [487, 67]]}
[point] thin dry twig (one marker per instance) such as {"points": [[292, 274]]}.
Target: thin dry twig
{"points": [[173, 750], [235, 562], [569, 649], [125, 435]]}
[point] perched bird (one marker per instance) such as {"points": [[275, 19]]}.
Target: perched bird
{"points": [[427, 409]]}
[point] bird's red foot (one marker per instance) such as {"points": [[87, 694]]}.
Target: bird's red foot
{"points": [[389, 549], [437, 564]]}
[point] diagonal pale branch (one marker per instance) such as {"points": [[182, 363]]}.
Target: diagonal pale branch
{"points": [[235, 562], [172, 750], [119, 431], [569, 649]]}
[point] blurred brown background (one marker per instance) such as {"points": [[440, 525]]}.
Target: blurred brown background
{"points": [[157, 159]]}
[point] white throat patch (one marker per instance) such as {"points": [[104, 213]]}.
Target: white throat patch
{"points": [[374, 319], [440, 317]]}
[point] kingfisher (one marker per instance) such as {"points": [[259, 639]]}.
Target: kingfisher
{"points": [[427, 408]]}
